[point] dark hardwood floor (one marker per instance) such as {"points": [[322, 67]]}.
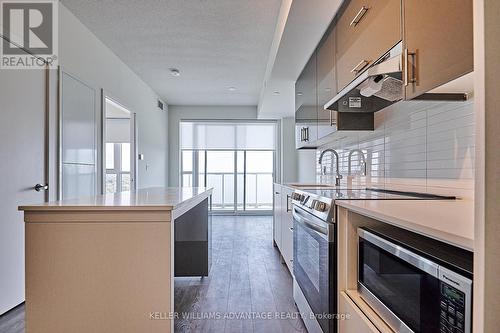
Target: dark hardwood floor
{"points": [[13, 321], [246, 279], [248, 290]]}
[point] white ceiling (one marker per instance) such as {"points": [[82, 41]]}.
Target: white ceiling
{"points": [[301, 25], [216, 44]]}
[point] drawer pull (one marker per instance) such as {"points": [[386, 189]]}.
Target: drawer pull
{"points": [[359, 16], [359, 67]]}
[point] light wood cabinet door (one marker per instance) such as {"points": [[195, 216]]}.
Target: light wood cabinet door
{"points": [[277, 212], [365, 31], [326, 83], [357, 321], [439, 38]]}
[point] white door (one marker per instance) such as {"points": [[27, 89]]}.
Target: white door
{"points": [[22, 166]]}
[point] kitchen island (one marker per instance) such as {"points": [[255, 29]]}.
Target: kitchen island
{"points": [[106, 263]]}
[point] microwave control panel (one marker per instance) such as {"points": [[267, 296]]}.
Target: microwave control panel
{"points": [[452, 319]]}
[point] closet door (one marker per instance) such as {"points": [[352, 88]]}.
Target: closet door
{"points": [[78, 139]]}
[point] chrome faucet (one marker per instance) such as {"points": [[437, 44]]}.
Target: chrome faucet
{"points": [[338, 176], [363, 163]]}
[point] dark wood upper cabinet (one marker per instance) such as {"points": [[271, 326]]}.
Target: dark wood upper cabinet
{"points": [[438, 41], [306, 106], [365, 30]]}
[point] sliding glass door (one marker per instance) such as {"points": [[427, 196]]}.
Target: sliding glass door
{"points": [[237, 160], [242, 180]]}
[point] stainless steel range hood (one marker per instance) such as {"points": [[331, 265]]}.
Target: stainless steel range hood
{"points": [[376, 88], [379, 86]]}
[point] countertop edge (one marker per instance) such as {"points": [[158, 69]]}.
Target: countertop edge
{"points": [[462, 242], [147, 207]]}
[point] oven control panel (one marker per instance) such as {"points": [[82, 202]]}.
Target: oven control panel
{"points": [[452, 304], [315, 204]]}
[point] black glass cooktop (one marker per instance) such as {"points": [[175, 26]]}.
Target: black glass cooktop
{"points": [[375, 194]]}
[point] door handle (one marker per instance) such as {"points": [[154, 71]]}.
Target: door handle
{"points": [[40, 187]]}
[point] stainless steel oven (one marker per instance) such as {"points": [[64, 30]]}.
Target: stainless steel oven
{"points": [[416, 284], [314, 270]]}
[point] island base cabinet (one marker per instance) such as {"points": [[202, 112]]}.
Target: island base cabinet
{"points": [[88, 275], [355, 321], [193, 242]]}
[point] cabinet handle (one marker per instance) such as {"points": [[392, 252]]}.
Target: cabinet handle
{"points": [[332, 122], [359, 67], [288, 209], [359, 16], [291, 229], [407, 78]]}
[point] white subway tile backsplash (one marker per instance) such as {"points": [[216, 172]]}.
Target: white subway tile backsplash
{"points": [[417, 145]]}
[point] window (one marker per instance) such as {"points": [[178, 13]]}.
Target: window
{"points": [[119, 150], [236, 159], [117, 167]]}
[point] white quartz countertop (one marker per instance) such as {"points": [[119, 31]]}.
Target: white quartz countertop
{"points": [[451, 221], [157, 198]]}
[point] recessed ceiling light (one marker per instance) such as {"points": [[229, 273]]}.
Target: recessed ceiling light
{"points": [[231, 88], [276, 93], [299, 94], [175, 72], [328, 89]]}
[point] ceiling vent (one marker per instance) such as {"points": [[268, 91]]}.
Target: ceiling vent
{"points": [[161, 105]]}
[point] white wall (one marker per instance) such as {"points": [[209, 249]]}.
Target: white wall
{"points": [[83, 55], [178, 113], [289, 162]]}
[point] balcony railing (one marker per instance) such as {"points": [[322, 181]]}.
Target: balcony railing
{"points": [[253, 192]]}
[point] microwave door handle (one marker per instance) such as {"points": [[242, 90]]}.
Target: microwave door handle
{"points": [[320, 231], [398, 251]]}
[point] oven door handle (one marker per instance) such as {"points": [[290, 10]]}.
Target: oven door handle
{"points": [[308, 222]]}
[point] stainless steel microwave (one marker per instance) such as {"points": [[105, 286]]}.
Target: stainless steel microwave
{"points": [[416, 284]]}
